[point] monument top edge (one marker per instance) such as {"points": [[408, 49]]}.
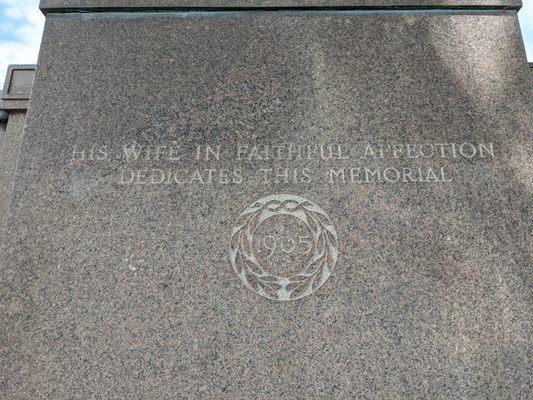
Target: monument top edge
{"points": [[139, 5]]}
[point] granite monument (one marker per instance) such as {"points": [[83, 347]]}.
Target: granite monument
{"points": [[272, 200]]}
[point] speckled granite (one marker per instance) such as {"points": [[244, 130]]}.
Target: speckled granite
{"points": [[2, 130], [19, 83], [10, 141], [118, 285], [54, 5], [17, 88]]}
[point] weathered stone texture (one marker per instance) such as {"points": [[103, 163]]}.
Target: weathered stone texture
{"points": [[51, 5]]}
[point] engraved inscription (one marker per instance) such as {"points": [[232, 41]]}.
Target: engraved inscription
{"points": [[182, 164], [283, 247]]}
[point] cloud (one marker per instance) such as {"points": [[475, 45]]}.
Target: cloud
{"points": [[526, 23], [21, 27]]}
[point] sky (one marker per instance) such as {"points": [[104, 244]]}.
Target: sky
{"points": [[21, 25]]}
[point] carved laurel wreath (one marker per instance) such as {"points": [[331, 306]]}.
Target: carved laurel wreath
{"points": [[282, 288]]}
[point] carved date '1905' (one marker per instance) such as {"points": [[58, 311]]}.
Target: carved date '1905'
{"points": [[288, 245]]}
